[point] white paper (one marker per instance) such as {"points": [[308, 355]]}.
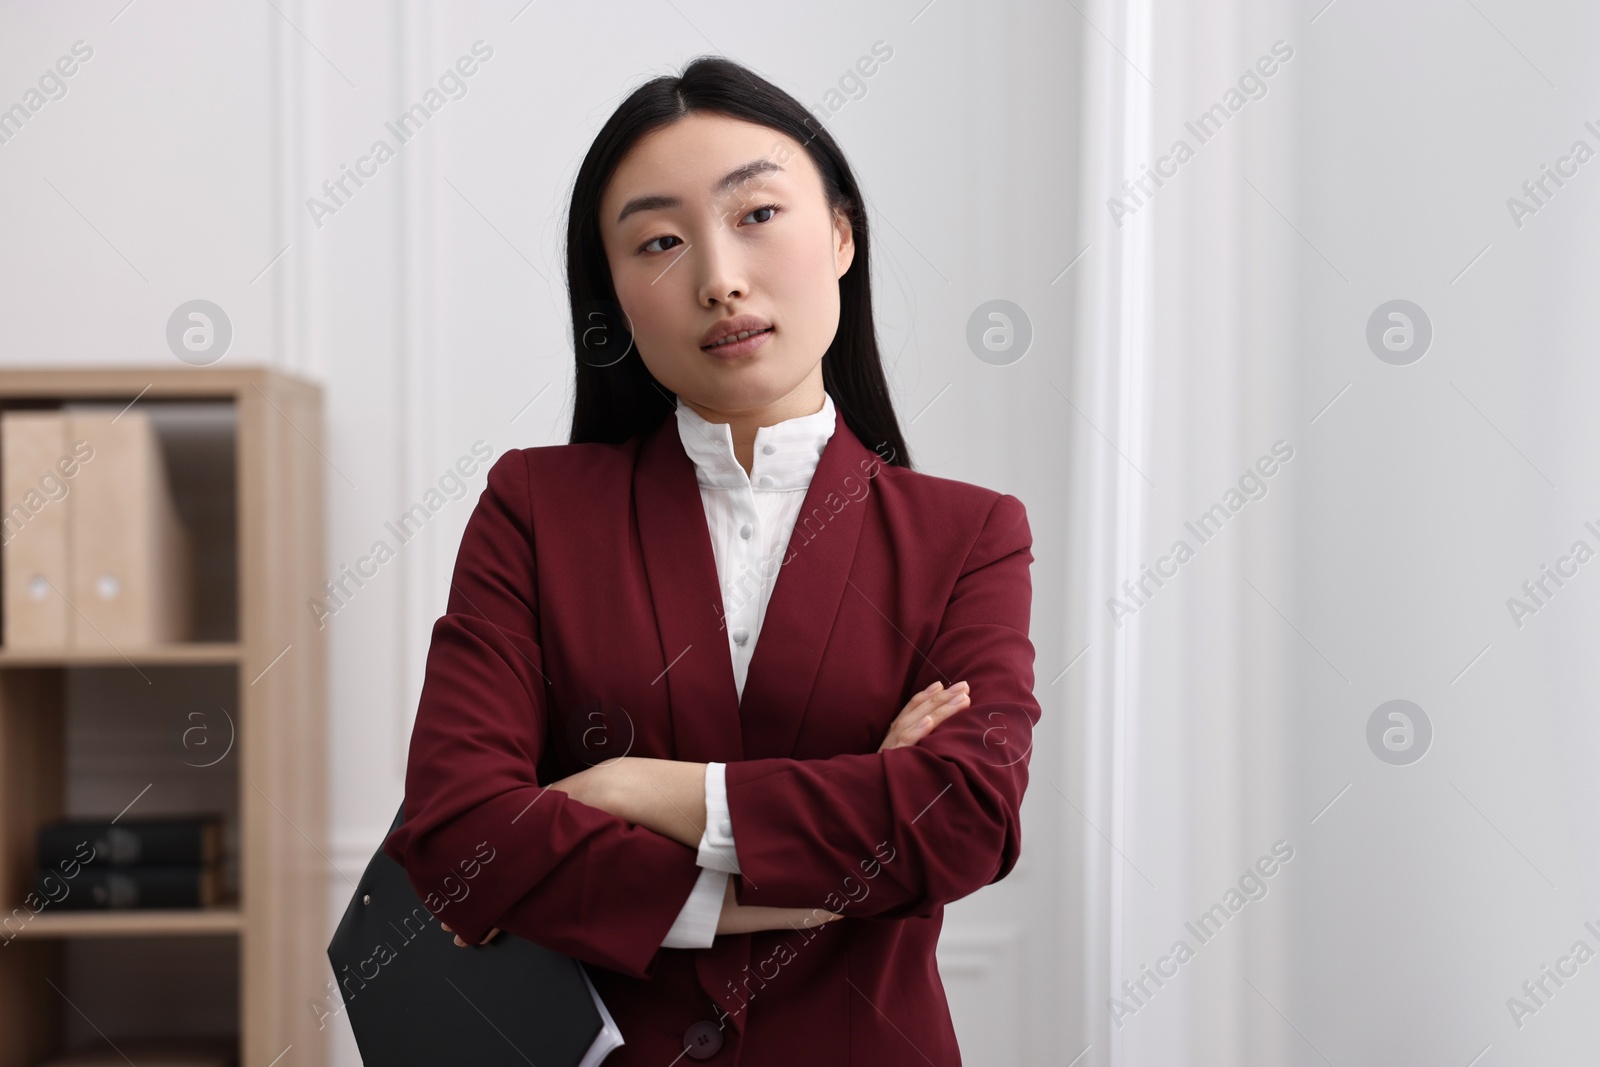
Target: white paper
{"points": [[609, 1038]]}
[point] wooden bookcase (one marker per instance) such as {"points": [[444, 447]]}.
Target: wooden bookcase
{"points": [[250, 483]]}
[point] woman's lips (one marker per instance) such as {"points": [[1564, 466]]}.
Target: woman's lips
{"points": [[735, 349]]}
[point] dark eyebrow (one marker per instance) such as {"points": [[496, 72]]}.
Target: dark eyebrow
{"points": [[736, 176]]}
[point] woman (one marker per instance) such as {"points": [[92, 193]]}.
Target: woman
{"points": [[749, 844]]}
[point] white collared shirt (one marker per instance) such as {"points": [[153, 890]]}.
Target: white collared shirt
{"points": [[750, 517]]}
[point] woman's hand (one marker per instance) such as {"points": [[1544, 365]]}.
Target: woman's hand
{"points": [[736, 918], [926, 710], [488, 937]]}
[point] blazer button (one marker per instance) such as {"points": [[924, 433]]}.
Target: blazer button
{"points": [[702, 1040]]}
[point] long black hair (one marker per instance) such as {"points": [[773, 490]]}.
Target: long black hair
{"points": [[617, 397]]}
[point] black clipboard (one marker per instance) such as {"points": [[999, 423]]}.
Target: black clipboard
{"points": [[417, 999]]}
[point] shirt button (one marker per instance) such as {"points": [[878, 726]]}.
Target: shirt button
{"points": [[766, 481], [726, 828], [744, 531], [703, 1040], [741, 635], [769, 449]]}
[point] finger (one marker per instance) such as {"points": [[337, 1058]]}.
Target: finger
{"points": [[903, 734], [927, 723], [916, 707], [930, 699], [954, 697], [922, 697], [921, 714], [910, 729], [445, 927], [945, 707]]}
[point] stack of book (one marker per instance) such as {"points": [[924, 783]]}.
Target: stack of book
{"points": [[130, 863], [152, 1052]]}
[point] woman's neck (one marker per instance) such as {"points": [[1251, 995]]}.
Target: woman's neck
{"points": [[805, 400]]}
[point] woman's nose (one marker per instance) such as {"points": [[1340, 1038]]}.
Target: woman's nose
{"points": [[720, 272]]}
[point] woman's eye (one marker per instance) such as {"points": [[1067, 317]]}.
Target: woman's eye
{"points": [[654, 245], [646, 247]]}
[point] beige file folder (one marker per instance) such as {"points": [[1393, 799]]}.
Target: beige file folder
{"points": [[34, 559], [131, 583]]}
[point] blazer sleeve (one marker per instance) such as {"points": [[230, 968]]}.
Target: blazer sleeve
{"points": [[901, 833], [482, 843]]}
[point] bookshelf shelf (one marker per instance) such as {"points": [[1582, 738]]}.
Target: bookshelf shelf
{"points": [[188, 653], [96, 729], [162, 922]]}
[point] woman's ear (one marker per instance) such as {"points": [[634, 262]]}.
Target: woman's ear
{"points": [[844, 248]]}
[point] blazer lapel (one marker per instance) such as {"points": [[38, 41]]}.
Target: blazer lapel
{"points": [[710, 721], [687, 598], [805, 600]]}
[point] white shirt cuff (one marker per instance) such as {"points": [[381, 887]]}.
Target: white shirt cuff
{"points": [[696, 924], [716, 843]]}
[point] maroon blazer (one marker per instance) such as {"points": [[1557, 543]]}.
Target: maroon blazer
{"points": [[584, 622]]}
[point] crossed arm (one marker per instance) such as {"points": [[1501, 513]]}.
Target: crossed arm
{"points": [[487, 846], [668, 796]]}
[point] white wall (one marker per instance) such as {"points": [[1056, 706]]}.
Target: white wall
{"points": [[1230, 711], [1430, 492]]}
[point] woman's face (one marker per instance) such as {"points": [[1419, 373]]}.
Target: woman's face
{"points": [[711, 219]]}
